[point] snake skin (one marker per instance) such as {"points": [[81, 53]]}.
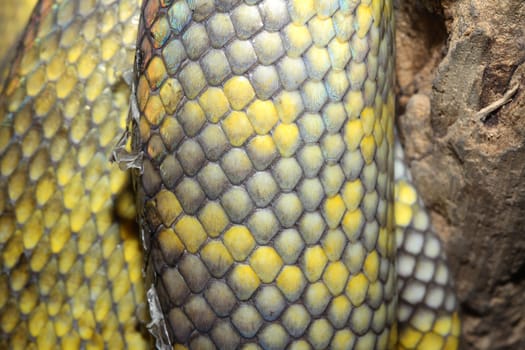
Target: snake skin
{"points": [[69, 254], [263, 135], [265, 130]]}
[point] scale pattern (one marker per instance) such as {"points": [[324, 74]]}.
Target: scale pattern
{"points": [[69, 255], [266, 195], [288, 271], [427, 307]]}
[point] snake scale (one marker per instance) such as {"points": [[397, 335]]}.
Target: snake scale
{"points": [[260, 138]]}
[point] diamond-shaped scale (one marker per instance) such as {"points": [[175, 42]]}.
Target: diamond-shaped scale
{"points": [[225, 336], [296, 319], [270, 302], [291, 282], [262, 188], [266, 263], [213, 218], [320, 333], [200, 313], [264, 225], [262, 151], [220, 297], [239, 242], [217, 258], [237, 204], [288, 208], [313, 262], [273, 336], [246, 20], [247, 320]]}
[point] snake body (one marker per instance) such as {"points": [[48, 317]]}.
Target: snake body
{"points": [[260, 136]]}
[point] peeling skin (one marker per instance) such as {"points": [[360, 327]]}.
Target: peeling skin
{"points": [[125, 159], [157, 326], [122, 155]]}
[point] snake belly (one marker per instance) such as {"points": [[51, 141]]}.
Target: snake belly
{"points": [[263, 131]]}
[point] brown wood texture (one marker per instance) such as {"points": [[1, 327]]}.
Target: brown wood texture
{"points": [[455, 58]]}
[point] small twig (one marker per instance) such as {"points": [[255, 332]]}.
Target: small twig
{"points": [[484, 112]]}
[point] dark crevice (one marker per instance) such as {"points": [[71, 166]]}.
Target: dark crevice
{"points": [[421, 40]]}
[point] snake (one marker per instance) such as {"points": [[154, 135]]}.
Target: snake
{"points": [[212, 174]]}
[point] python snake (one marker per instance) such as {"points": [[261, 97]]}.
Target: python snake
{"points": [[260, 137]]}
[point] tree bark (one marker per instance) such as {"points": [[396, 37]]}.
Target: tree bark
{"points": [[461, 81]]}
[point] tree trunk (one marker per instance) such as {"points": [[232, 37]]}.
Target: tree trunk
{"points": [[454, 58]]}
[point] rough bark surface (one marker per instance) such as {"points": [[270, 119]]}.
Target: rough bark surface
{"points": [[454, 59]]}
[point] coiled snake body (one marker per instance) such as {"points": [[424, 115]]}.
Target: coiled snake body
{"points": [[261, 140]]}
